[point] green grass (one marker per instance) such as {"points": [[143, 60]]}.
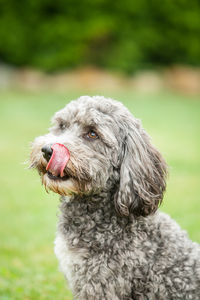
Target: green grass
{"points": [[28, 267]]}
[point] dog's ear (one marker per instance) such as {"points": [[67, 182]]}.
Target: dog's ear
{"points": [[142, 174]]}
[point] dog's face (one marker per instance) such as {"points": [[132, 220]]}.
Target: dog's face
{"points": [[91, 136], [96, 145]]}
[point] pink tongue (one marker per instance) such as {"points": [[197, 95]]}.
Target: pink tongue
{"points": [[59, 159]]}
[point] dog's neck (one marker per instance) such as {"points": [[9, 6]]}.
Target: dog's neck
{"points": [[86, 221], [88, 206]]}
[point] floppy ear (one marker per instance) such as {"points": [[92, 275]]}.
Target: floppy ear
{"points": [[142, 174]]}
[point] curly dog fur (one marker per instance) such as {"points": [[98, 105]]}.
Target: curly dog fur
{"points": [[111, 242]]}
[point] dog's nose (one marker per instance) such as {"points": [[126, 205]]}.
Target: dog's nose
{"points": [[47, 152]]}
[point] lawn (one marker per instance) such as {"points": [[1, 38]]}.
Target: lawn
{"points": [[28, 267]]}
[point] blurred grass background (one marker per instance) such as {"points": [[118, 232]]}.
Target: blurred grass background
{"points": [[28, 267], [143, 53]]}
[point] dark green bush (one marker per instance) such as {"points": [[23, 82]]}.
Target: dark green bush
{"points": [[120, 35]]}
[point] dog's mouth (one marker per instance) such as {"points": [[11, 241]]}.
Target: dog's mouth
{"points": [[57, 178], [61, 174]]}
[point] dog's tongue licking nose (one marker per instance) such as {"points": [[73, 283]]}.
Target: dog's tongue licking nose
{"points": [[58, 160]]}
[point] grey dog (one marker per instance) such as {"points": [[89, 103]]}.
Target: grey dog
{"points": [[112, 242]]}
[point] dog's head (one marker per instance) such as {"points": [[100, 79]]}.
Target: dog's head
{"points": [[96, 145]]}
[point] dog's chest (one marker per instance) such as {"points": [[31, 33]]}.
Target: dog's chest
{"points": [[68, 259]]}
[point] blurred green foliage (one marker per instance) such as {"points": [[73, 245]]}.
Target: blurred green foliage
{"points": [[119, 35]]}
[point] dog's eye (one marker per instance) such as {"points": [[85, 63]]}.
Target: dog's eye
{"points": [[92, 135], [62, 126]]}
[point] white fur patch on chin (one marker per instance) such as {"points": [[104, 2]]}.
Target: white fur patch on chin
{"points": [[62, 187]]}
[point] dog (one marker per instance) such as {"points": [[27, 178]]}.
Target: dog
{"points": [[112, 242]]}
